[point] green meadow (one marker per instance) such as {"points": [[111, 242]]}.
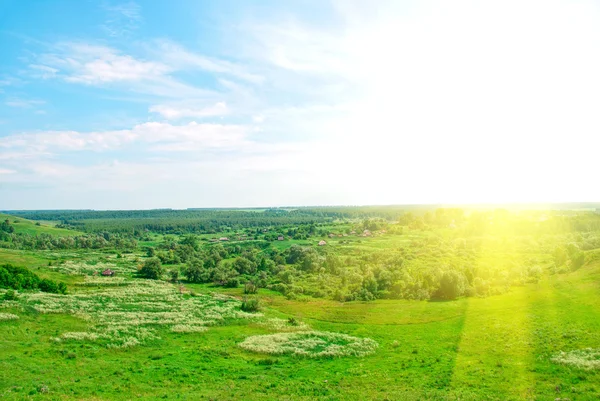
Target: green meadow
{"points": [[128, 337]]}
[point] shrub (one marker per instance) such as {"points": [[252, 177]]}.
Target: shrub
{"points": [[251, 304], [250, 288], [152, 269], [232, 282], [10, 295], [174, 274], [452, 285]]}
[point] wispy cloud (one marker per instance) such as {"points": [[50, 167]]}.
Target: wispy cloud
{"points": [[24, 103], [90, 64], [180, 58], [122, 19], [42, 71], [161, 136], [174, 112], [95, 65]]}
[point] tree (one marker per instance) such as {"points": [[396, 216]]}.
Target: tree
{"points": [[195, 272], [190, 240], [152, 269], [174, 274], [244, 266], [452, 285]]}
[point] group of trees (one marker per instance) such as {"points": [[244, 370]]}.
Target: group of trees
{"points": [[476, 255], [449, 253], [20, 278], [85, 241]]}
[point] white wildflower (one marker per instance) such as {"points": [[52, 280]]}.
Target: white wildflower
{"points": [[588, 358], [8, 316], [312, 344]]}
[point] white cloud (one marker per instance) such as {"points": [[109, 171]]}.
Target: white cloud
{"points": [[4, 171], [91, 64], [162, 136], [24, 103], [43, 71], [122, 19], [95, 65], [174, 112], [177, 56]]}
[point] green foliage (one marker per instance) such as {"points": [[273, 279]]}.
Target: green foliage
{"points": [[250, 288], [174, 275], [195, 272], [152, 269], [10, 295], [20, 278], [251, 304], [452, 285]]}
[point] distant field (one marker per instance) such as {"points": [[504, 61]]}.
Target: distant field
{"points": [[25, 226]]}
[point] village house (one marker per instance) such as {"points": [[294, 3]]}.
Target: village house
{"points": [[223, 239], [108, 272], [280, 238], [321, 243]]}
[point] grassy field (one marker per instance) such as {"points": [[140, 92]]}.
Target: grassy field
{"points": [[499, 348], [25, 226]]}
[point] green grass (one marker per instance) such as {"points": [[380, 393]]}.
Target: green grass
{"points": [[497, 348], [24, 226]]}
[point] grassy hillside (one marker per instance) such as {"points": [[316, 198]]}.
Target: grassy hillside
{"points": [[495, 348], [25, 226]]}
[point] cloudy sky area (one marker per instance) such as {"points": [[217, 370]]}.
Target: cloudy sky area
{"points": [[148, 104]]}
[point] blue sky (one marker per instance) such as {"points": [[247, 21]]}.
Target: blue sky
{"points": [[147, 104]]}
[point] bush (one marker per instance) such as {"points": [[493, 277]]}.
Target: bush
{"points": [[46, 285], [152, 269], [250, 288], [251, 304], [10, 295], [232, 282], [174, 274], [452, 285]]}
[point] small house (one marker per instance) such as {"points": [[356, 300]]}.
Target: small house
{"points": [[223, 239], [280, 238], [321, 243], [108, 272]]}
